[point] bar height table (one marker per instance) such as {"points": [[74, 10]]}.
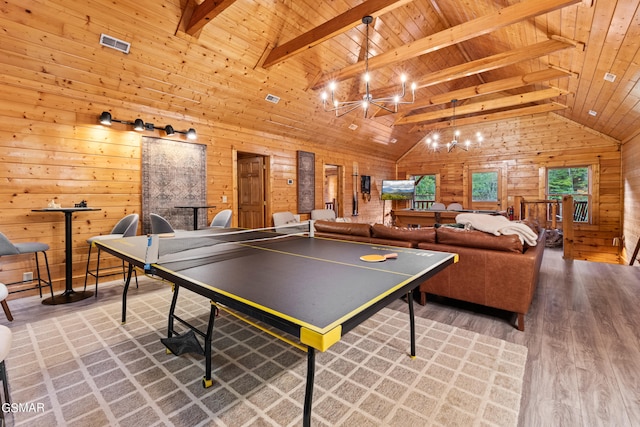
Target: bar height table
{"points": [[195, 212], [69, 295]]}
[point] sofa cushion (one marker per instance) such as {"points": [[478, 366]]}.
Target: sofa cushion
{"points": [[413, 235], [349, 228], [479, 239]]}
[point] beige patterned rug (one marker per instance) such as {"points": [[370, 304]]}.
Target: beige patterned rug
{"points": [[76, 365]]}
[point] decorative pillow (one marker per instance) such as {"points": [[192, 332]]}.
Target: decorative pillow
{"points": [[413, 235], [533, 224], [350, 228], [479, 239]]}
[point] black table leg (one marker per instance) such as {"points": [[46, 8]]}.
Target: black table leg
{"points": [[69, 295], [308, 395], [195, 218], [124, 293], [412, 323]]}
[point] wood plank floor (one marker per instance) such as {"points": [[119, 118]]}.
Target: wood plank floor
{"points": [[583, 336]]}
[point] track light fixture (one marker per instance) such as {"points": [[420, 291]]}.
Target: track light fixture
{"points": [[139, 125]]}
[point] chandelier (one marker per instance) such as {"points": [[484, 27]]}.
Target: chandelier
{"points": [[389, 103], [432, 139]]}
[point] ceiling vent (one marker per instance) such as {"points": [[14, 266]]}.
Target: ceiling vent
{"points": [[609, 77], [272, 98], [353, 126], [114, 43]]}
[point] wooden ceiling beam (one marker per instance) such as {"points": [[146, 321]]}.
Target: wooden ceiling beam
{"points": [[332, 28], [482, 65], [205, 12], [486, 88], [485, 118], [491, 117], [493, 104], [474, 28], [496, 86]]}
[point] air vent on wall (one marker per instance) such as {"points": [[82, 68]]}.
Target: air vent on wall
{"points": [[114, 43], [272, 98]]}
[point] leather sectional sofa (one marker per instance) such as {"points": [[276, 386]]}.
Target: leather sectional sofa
{"points": [[494, 271]]}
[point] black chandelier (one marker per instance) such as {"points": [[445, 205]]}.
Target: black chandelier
{"points": [[389, 103]]}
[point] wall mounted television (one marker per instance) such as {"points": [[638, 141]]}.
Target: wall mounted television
{"points": [[399, 189]]}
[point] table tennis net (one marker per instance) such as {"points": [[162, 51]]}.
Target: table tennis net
{"points": [[210, 243]]}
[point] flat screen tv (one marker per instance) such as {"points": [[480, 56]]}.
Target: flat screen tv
{"points": [[400, 189]]}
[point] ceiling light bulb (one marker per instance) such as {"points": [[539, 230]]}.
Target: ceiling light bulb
{"points": [[366, 77], [403, 78], [332, 86], [324, 96], [105, 118], [138, 125]]}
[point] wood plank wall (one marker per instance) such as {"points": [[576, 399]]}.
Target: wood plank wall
{"points": [[50, 151], [631, 188], [522, 147]]}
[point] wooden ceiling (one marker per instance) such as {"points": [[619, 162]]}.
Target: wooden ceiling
{"points": [[499, 59], [216, 61]]}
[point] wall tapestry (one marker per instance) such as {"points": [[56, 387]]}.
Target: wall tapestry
{"points": [[306, 182], [174, 173]]}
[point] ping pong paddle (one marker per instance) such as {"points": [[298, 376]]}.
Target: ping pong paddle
{"points": [[378, 257]]}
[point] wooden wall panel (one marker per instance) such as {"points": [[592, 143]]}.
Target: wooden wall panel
{"points": [[631, 194], [50, 151], [524, 146]]}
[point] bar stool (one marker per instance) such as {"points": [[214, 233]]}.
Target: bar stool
{"points": [[5, 346], [4, 293], [126, 227], [8, 249]]}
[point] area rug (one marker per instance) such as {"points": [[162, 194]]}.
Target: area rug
{"points": [[80, 367]]}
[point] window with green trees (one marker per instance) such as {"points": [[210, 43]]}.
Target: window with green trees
{"points": [[484, 186], [425, 193], [573, 181]]}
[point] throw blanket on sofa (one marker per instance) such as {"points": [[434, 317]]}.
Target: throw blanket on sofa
{"points": [[497, 225]]}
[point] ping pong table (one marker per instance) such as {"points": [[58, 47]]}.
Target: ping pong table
{"points": [[313, 289]]}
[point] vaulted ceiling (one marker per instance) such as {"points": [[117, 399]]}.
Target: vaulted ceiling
{"points": [[499, 59]]}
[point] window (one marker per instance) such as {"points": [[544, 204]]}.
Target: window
{"points": [[425, 193], [572, 181], [484, 186]]}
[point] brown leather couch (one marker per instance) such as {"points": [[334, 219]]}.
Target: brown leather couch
{"points": [[494, 271]]}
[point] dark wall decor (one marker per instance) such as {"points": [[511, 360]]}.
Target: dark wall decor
{"points": [[174, 173], [306, 181]]}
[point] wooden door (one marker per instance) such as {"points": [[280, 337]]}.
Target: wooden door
{"points": [[486, 188], [331, 191], [251, 199]]}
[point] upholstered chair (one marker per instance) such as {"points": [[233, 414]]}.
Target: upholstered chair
{"points": [[7, 248], [222, 219], [126, 227]]}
